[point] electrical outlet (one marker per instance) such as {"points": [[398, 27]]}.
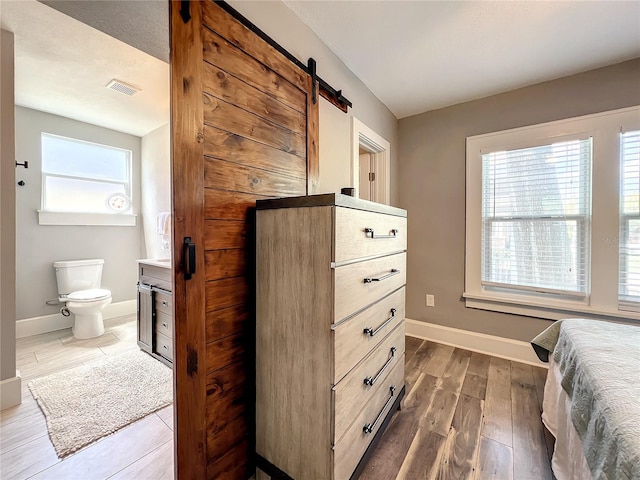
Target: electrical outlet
{"points": [[431, 300]]}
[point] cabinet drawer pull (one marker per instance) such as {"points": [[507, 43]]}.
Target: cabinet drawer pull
{"points": [[370, 381], [394, 271], [370, 427], [165, 325], [372, 331], [368, 231], [165, 303], [165, 347]]}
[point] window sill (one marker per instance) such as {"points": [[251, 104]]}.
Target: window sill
{"points": [[86, 219], [547, 310]]}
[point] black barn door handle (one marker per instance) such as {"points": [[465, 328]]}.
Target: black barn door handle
{"points": [[189, 258]]}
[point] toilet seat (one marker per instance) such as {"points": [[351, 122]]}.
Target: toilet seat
{"points": [[86, 296]]}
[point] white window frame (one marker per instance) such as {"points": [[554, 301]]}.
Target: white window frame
{"points": [[602, 297], [52, 217]]}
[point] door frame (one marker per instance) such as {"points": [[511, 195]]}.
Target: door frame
{"points": [[380, 148]]}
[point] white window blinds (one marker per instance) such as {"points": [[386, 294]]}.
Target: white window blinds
{"points": [[629, 290], [536, 205]]}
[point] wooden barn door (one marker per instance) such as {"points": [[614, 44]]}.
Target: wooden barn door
{"points": [[244, 127]]}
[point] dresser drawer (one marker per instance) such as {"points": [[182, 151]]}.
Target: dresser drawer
{"points": [[363, 234], [352, 343], [363, 382], [164, 325], [360, 284], [164, 346], [349, 450], [163, 302]]}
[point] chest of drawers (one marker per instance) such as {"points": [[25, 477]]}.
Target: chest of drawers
{"points": [[329, 332]]}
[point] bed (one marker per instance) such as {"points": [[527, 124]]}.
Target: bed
{"points": [[592, 398]]}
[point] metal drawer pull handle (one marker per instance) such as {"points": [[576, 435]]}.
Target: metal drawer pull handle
{"points": [[394, 271], [368, 230], [371, 332], [165, 347], [370, 381], [165, 303], [370, 427], [164, 324]]}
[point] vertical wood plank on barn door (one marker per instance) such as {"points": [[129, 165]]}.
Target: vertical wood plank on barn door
{"points": [[244, 127], [187, 171]]}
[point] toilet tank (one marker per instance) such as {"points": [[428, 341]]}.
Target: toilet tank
{"points": [[74, 275]]}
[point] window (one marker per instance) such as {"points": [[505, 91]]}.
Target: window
{"points": [[535, 218], [548, 233], [80, 177], [629, 289]]}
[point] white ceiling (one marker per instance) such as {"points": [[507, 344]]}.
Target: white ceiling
{"points": [[63, 65], [422, 55], [414, 55]]}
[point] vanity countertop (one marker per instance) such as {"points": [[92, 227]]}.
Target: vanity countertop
{"points": [[158, 262]]}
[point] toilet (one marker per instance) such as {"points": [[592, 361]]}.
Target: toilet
{"points": [[79, 289]]}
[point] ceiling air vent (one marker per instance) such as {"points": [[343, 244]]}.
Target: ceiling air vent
{"points": [[122, 87]]}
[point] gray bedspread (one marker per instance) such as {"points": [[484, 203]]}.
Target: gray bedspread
{"points": [[600, 366]]}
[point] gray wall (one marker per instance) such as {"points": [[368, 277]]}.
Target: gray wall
{"points": [[7, 212], [281, 24], [432, 178], [38, 246]]}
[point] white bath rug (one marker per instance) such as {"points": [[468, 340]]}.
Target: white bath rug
{"points": [[85, 403]]}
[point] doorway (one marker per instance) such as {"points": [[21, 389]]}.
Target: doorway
{"points": [[370, 163]]}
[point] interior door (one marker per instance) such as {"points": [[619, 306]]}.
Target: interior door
{"points": [[244, 127], [365, 176]]}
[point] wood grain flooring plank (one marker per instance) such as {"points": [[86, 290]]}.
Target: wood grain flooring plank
{"points": [[474, 385], [439, 359], [156, 465], [440, 412], [166, 415], [495, 461], [461, 447], [28, 459], [16, 434], [479, 364], [539, 378], [454, 373], [411, 344], [413, 366], [497, 408], [530, 458], [424, 456], [113, 453], [390, 454]]}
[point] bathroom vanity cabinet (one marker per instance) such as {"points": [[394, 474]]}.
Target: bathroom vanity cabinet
{"points": [[155, 309]]}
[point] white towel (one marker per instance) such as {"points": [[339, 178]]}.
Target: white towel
{"points": [[164, 229], [164, 223]]}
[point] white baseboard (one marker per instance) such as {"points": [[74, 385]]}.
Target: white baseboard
{"points": [[51, 323], [507, 348], [11, 392]]}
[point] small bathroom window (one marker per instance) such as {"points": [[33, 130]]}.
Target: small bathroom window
{"points": [[84, 178]]}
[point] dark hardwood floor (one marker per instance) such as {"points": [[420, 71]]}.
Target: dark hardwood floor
{"points": [[466, 416]]}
